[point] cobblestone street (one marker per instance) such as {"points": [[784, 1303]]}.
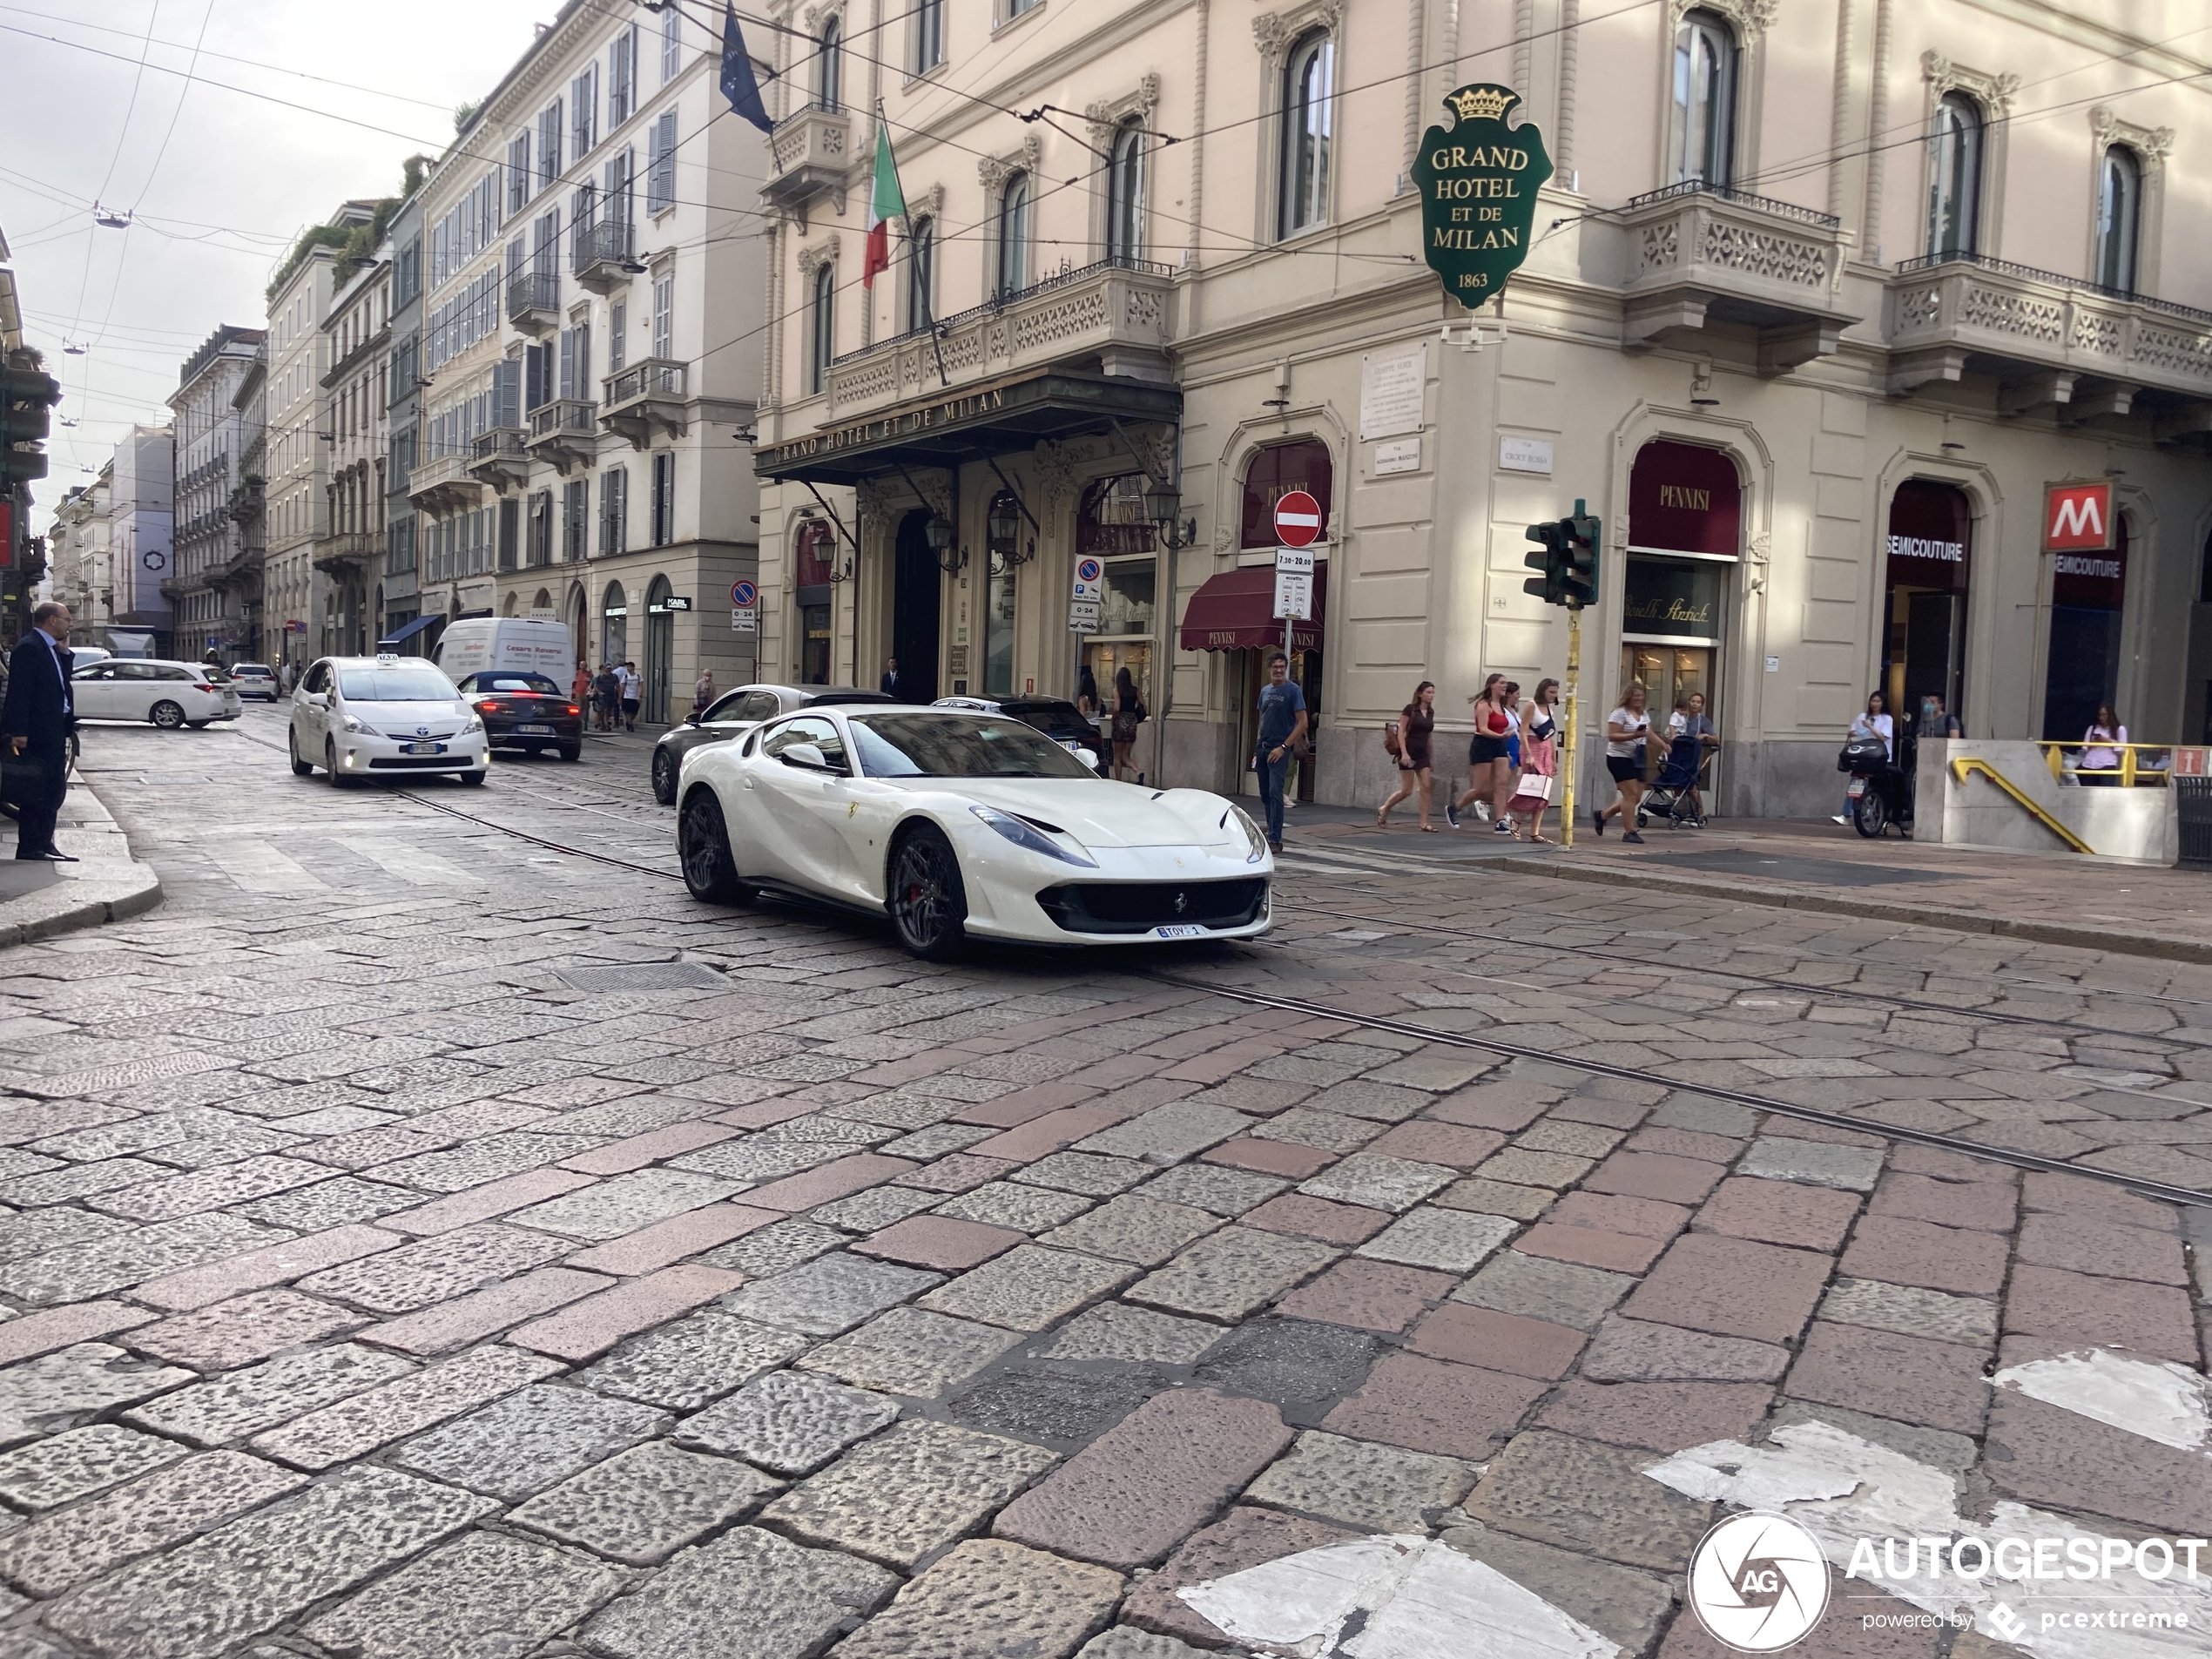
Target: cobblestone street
{"points": [[423, 1241]]}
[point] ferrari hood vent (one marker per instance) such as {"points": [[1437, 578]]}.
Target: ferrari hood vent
{"points": [[1038, 823]]}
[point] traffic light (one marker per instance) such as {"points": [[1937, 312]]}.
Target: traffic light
{"points": [[27, 397], [1551, 559], [1569, 559]]}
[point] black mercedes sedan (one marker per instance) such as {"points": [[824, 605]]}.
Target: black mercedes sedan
{"points": [[734, 714], [523, 710]]}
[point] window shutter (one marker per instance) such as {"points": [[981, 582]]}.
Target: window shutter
{"points": [[567, 362], [660, 167]]}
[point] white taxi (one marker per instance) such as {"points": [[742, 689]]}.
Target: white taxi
{"points": [[388, 716]]}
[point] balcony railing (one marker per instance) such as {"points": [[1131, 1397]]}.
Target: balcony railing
{"points": [[2042, 334], [808, 154], [443, 484], [646, 397], [534, 300], [601, 251], [500, 458], [564, 432], [349, 550], [1118, 310], [1699, 253]]}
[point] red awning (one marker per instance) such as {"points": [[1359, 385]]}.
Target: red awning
{"points": [[1234, 611]]}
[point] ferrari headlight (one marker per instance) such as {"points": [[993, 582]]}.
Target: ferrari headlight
{"points": [[1253, 838], [1027, 837]]}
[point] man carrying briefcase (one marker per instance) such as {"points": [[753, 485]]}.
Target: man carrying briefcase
{"points": [[35, 722]]}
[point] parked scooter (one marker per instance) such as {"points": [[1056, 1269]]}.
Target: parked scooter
{"points": [[1880, 791]]}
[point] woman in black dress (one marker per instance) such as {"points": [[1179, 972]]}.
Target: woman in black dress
{"points": [[1129, 714], [1416, 721]]}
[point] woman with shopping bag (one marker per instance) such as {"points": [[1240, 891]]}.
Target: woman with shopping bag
{"points": [[1539, 761]]}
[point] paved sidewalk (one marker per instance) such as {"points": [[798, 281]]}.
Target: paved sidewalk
{"points": [[39, 901], [2059, 897]]}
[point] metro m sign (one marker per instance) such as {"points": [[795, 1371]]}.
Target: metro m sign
{"points": [[2077, 518]]}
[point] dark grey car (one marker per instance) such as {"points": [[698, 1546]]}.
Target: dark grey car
{"points": [[734, 714]]}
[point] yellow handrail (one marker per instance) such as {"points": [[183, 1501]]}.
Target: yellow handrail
{"points": [[1966, 764], [2131, 772]]}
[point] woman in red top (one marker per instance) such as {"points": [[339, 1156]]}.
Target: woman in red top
{"points": [[1486, 769], [1415, 722]]}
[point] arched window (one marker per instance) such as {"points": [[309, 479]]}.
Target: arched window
{"points": [[614, 617], [1701, 144], [1954, 188], [829, 76], [825, 328], [2119, 209], [921, 271], [1303, 463], [1014, 236], [1003, 544], [1307, 84], [817, 543], [1125, 193]]}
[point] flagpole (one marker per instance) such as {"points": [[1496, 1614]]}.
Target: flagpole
{"points": [[921, 287]]}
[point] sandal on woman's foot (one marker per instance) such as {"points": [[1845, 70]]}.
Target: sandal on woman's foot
{"points": [[1428, 829], [1381, 821]]}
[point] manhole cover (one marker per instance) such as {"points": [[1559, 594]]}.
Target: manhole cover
{"points": [[644, 976]]}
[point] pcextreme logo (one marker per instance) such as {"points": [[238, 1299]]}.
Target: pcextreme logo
{"points": [[1758, 1582], [2077, 518]]}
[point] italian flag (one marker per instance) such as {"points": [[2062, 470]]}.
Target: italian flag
{"points": [[885, 202]]}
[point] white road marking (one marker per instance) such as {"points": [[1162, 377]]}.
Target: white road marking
{"points": [[1422, 1601], [258, 868], [2160, 1401], [1845, 1491], [412, 865]]}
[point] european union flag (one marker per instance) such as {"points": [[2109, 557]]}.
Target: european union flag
{"points": [[738, 84]]}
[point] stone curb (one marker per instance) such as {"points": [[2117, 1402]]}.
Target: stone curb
{"points": [[101, 890], [1923, 915]]}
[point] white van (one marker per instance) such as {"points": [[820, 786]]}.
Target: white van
{"points": [[477, 644]]}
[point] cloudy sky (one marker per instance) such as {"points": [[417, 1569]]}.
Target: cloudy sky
{"points": [[250, 120]]}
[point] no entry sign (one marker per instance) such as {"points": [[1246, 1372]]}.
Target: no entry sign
{"points": [[1298, 519]]}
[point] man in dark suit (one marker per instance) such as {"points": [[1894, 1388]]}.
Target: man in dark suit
{"points": [[34, 727]]}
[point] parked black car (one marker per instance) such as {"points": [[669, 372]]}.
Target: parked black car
{"points": [[734, 714], [523, 710], [1056, 717]]}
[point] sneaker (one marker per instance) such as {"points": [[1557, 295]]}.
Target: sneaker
{"points": [[1503, 826], [1632, 839], [1597, 823], [1451, 814], [1275, 847], [1840, 817], [1482, 812]]}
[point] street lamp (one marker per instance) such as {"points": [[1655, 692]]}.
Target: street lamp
{"points": [[1163, 506]]}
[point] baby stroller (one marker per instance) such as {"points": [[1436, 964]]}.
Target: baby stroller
{"points": [[1668, 796]]}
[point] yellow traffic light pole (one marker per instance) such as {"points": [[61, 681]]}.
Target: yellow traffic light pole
{"points": [[1567, 751]]}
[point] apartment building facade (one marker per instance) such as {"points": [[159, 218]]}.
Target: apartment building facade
{"points": [[141, 534], [1819, 299], [78, 553], [357, 345], [249, 509], [207, 583], [398, 601], [592, 303]]}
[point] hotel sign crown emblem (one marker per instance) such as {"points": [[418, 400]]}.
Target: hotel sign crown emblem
{"points": [[1478, 180]]}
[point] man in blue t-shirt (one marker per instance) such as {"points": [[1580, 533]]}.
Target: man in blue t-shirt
{"points": [[1282, 728]]}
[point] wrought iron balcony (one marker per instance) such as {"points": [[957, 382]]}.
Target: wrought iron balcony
{"points": [[443, 484], [807, 154], [602, 255], [1117, 312], [644, 398], [564, 432], [500, 458], [534, 302], [1701, 253], [2049, 340]]}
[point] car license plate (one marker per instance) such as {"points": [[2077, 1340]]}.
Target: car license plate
{"points": [[423, 748], [1858, 788], [535, 731], [1180, 930], [1075, 749]]}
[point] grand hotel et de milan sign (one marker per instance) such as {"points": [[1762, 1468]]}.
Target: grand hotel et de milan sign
{"points": [[2077, 518], [1478, 180]]}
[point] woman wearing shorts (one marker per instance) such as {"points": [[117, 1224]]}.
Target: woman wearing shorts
{"points": [[1486, 753], [1416, 721], [1625, 730]]}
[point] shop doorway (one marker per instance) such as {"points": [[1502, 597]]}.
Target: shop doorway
{"points": [[1929, 559], [1671, 647], [1305, 668], [917, 590], [660, 650], [2082, 669]]}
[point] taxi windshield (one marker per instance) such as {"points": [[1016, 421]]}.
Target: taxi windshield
{"points": [[408, 685]]}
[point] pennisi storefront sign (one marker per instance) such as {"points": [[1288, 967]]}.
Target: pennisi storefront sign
{"points": [[1684, 498]]}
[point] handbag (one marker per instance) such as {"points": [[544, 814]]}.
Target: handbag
{"points": [[1390, 745]]}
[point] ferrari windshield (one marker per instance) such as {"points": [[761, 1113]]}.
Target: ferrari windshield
{"points": [[422, 685], [927, 744]]}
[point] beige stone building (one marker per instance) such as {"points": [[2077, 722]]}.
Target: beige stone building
{"points": [[1820, 299], [357, 346], [210, 584], [591, 333], [78, 552]]}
